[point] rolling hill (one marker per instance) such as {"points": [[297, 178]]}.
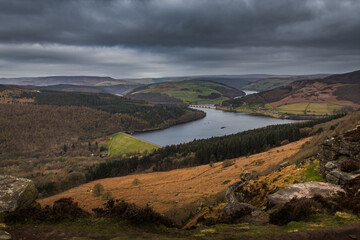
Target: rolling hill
{"points": [[316, 97], [236, 81], [52, 119], [190, 92], [266, 84], [55, 80], [256, 82], [89, 84]]}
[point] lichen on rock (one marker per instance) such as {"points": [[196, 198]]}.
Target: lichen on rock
{"points": [[16, 193]]}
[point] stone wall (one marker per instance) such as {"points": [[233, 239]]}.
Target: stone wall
{"points": [[336, 150]]}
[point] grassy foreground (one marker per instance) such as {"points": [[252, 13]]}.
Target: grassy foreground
{"points": [[124, 143], [103, 228]]}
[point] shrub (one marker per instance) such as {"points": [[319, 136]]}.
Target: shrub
{"points": [[103, 148], [226, 182], [320, 130], [129, 211], [295, 210], [98, 189], [227, 163], [212, 158], [63, 209], [349, 165], [352, 199], [136, 182], [106, 196], [66, 208]]}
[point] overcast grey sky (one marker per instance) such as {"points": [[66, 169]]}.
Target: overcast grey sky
{"points": [[153, 38]]}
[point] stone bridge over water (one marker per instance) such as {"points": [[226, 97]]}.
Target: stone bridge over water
{"points": [[203, 106]]}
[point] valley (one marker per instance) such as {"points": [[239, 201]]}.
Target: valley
{"points": [[191, 120], [170, 160]]}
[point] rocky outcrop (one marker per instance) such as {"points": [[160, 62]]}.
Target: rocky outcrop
{"points": [[236, 209], [333, 152], [339, 177], [5, 235], [16, 193], [307, 190], [233, 193]]}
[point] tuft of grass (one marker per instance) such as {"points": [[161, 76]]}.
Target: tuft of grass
{"points": [[312, 172], [98, 189], [228, 163], [226, 182], [136, 182]]}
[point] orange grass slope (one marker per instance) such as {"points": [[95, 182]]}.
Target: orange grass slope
{"points": [[165, 190]]}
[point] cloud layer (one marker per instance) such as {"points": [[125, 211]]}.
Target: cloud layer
{"points": [[144, 38]]}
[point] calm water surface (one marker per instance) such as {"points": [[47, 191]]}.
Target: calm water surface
{"points": [[216, 123]]}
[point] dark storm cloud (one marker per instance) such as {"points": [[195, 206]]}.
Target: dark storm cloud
{"points": [[179, 37], [208, 23]]}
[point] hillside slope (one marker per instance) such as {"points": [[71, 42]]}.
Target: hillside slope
{"points": [[329, 95], [274, 82], [166, 190], [55, 80], [42, 122], [91, 84], [121, 143], [191, 92], [341, 89]]}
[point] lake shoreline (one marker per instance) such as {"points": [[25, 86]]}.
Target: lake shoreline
{"points": [[201, 116], [214, 124]]}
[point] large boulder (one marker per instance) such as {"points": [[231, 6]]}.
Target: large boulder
{"points": [[5, 235], [238, 210], [307, 190], [339, 177], [16, 193], [233, 192]]}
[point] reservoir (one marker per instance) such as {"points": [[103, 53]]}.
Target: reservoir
{"points": [[216, 123]]}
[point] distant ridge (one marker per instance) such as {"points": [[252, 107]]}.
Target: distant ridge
{"points": [[56, 80], [340, 89]]}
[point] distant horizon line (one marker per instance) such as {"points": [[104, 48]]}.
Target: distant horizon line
{"points": [[177, 76]]}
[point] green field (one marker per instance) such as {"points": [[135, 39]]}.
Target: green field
{"points": [[303, 109], [124, 143], [307, 108], [193, 92]]}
